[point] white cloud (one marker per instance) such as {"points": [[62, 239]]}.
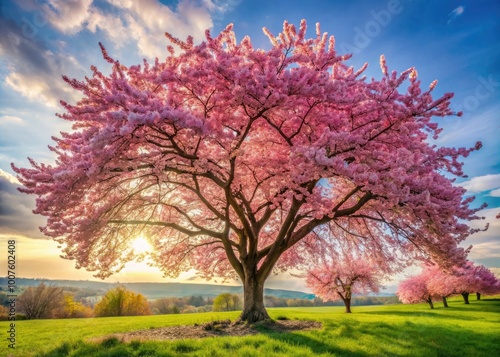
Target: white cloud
{"points": [[148, 20], [41, 87], [485, 244], [112, 26], [9, 177], [35, 88], [482, 183], [458, 11], [144, 21], [485, 250], [67, 16], [34, 71], [495, 193], [455, 13], [11, 120]]}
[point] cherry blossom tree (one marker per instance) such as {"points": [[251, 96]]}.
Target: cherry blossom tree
{"points": [[439, 283], [470, 278], [487, 283], [231, 160], [414, 290], [344, 277]]}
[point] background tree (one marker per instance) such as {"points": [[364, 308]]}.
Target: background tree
{"points": [[414, 290], [343, 277], [4, 313], [166, 306], [122, 302], [232, 159], [72, 309], [487, 283], [470, 278], [439, 283], [226, 302], [465, 280], [196, 301], [40, 302]]}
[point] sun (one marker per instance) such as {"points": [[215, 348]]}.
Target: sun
{"points": [[141, 245]]}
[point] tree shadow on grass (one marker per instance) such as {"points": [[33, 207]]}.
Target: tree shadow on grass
{"points": [[113, 347], [420, 314], [424, 335], [426, 338], [454, 311], [318, 342]]}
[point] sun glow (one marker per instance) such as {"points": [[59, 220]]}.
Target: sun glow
{"points": [[141, 245]]}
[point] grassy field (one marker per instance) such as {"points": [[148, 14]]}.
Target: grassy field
{"points": [[393, 330]]}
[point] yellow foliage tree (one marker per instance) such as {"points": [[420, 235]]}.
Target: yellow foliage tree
{"points": [[122, 302], [72, 309], [227, 302]]}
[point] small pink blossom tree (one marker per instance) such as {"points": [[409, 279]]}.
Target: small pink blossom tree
{"points": [[439, 283], [488, 284], [344, 277], [231, 159], [470, 278], [414, 290]]}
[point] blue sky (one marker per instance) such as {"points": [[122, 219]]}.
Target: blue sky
{"points": [[455, 42]]}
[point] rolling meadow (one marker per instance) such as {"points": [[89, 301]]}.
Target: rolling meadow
{"points": [[389, 330]]}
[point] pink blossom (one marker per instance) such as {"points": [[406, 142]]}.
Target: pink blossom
{"points": [[234, 159]]}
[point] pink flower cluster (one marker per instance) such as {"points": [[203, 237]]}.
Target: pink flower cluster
{"points": [[232, 160]]}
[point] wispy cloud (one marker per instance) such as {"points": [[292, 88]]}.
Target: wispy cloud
{"points": [[67, 15], [34, 66], [10, 120], [482, 183], [485, 244], [495, 193], [34, 69], [142, 23], [458, 11], [9, 177], [147, 21]]}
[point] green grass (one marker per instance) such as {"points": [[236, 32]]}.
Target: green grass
{"points": [[393, 330]]}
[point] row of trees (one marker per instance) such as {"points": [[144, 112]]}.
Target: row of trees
{"points": [[434, 283], [45, 301], [344, 270]]}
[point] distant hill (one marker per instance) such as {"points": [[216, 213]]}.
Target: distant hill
{"points": [[154, 291]]}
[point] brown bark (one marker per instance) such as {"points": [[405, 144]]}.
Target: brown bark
{"points": [[430, 303], [347, 303], [478, 296], [253, 300], [466, 297], [445, 303]]}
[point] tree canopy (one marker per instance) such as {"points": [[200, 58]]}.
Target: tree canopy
{"points": [[122, 302], [343, 277], [236, 161]]}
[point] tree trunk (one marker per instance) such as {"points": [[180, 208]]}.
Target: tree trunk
{"points": [[445, 303], [430, 303], [347, 303], [466, 297], [478, 296], [253, 300]]}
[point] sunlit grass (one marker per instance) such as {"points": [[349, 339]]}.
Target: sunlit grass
{"points": [[394, 330]]}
